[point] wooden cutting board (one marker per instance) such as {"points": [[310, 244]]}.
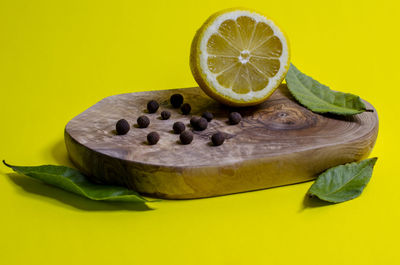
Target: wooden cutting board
{"points": [[277, 143]]}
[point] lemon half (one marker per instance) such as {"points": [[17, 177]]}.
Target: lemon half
{"points": [[239, 57]]}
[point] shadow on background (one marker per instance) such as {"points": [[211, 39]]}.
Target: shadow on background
{"points": [[76, 201], [314, 202], [59, 152]]}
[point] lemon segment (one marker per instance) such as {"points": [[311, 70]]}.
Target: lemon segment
{"points": [[239, 57]]}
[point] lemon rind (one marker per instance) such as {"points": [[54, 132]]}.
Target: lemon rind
{"points": [[198, 60]]}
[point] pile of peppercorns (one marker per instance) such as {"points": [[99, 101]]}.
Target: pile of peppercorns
{"points": [[186, 137]]}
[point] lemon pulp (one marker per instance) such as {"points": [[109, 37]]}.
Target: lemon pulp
{"points": [[239, 57]]}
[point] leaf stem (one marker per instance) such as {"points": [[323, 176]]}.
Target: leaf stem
{"points": [[8, 165]]}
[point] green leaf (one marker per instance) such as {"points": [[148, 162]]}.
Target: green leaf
{"points": [[344, 182], [319, 98], [72, 180]]}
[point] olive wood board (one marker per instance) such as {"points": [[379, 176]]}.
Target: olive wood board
{"points": [[277, 143]]}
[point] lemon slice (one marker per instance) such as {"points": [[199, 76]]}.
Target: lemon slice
{"points": [[239, 57]]}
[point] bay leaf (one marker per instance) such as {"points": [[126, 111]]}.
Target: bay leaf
{"points": [[319, 98], [344, 182], [72, 180]]}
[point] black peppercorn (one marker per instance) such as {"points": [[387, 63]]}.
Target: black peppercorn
{"points": [[234, 118], [218, 138], [186, 137], [153, 138], [193, 120], [122, 127], [165, 114], [178, 127], [201, 124], [208, 116], [176, 100], [186, 108], [143, 121], [152, 106]]}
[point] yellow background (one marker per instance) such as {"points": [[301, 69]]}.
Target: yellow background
{"points": [[57, 58]]}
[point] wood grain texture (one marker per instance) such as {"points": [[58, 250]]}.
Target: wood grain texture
{"points": [[278, 142]]}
